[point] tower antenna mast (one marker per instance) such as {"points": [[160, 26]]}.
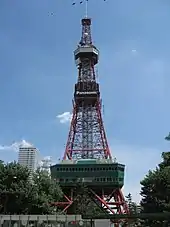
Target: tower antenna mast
{"points": [[86, 12], [86, 5]]}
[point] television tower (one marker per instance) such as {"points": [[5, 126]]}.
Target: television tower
{"points": [[87, 157]]}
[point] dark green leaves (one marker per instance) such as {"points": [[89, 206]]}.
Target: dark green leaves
{"points": [[155, 189], [22, 194]]}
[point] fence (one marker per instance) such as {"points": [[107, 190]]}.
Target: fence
{"points": [[50, 221], [39, 220]]}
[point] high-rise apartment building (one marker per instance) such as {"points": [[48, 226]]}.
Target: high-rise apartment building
{"points": [[28, 156]]}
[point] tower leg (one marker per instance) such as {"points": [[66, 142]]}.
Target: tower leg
{"points": [[113, 203], [66, 203]]}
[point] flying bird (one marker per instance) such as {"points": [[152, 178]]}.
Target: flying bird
{"points": [[74, 3]]}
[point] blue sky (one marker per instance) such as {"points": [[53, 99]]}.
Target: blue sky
{"points": [[37, 69]]}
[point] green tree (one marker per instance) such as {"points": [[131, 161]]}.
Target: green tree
{"points": [[133, 207], [155, 190], [48, 192], [20, 194]]}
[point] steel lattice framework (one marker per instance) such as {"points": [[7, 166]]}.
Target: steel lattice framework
{"points": [[87, 137]]}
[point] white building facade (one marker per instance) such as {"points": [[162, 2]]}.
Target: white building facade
{"points": [[28, 156]]}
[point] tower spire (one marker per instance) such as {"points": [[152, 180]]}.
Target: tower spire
{"points": [[86, 13], [86, 39]]}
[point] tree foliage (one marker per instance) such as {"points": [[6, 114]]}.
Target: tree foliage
{"points": [[133, 207], [20, 194], [155, 190]]}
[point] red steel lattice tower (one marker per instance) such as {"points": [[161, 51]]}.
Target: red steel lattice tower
{"points": [[87, 156], [87, 137]]}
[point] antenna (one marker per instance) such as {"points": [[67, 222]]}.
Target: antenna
{"points": [[86, 5], [86, 8]]}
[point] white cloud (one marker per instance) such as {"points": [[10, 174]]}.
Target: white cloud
{"points": [[64, 117], [12, 147], [15, 146], [138, 160], [133, 51]]}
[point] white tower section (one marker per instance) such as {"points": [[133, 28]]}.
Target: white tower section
{"points": [[28, 156]]}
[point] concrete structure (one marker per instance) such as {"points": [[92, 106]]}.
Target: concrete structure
{"points": [[50, 220], [28, 156], [58, 218]]}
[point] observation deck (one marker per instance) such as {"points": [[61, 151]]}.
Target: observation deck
{"points": [[96, 174], [86, 51]]}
